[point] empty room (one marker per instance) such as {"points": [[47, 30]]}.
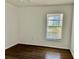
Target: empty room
{"points": [[39, 29]]}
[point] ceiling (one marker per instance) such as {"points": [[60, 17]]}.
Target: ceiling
{"points": [[21, 3]]}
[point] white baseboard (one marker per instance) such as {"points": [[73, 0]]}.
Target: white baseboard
{"points": [[72, 53], [6, 47], [43, 45]]}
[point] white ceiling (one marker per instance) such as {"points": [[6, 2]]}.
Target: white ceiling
{"points": [[38, 2]]}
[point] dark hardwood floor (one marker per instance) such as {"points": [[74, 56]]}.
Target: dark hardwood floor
{"points": [[20, 51]]}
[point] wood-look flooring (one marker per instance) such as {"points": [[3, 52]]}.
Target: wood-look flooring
{"points": [[21, 51]]}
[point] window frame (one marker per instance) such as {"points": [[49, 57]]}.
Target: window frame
{"points": [[61, 19]]}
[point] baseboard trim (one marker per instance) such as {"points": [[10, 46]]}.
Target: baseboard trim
{"points": [[43, 46], [38, 46], [72, 53], [10, 47]]}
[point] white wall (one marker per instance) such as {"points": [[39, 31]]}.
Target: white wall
{"points": [[27, 25], [11, 26], [72, 40], [32, 25]]}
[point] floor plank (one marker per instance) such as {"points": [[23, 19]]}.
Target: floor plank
{"points": [[20, 51]]}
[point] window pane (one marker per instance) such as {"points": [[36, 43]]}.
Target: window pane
{"points": [[54, 26]]}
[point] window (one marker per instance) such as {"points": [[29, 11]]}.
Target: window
{"points": [[54, 26]]}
